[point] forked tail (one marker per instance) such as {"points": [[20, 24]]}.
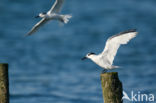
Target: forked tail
{"points": [[114, 67], [65, 18]]}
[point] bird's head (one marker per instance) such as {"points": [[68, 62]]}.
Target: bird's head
{"points": [[41, 15], [88, 56]]}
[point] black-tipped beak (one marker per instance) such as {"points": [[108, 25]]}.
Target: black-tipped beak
{"points": [[37, 16], [84, 58]]}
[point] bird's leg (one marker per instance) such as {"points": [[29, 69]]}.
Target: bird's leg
{"points": [[104, 71]]}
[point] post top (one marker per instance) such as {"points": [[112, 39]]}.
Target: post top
{"points": [[109, 73], [4, 64]]}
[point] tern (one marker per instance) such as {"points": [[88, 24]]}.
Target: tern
{"points": [[52, 14], [105, 59]]}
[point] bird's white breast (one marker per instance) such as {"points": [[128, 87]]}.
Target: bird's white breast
{"points": [[101, 61]]}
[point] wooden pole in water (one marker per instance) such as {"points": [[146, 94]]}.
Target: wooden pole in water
{"points": [[4, 84], [112, 88]]}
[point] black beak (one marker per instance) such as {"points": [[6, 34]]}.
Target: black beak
{"points": [[37, 16], [84, 58]]}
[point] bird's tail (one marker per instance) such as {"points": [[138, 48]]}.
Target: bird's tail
{"points": [[65, 18], [114, 67]]}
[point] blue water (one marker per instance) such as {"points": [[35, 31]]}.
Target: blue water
{"points": [[46, 67]]}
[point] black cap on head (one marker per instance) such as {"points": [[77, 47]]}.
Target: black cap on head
{"points": [[44, 13], [87, 55], [91, 53], [37, 16]]}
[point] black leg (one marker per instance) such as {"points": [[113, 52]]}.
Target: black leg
{"points": [[104, 71]]}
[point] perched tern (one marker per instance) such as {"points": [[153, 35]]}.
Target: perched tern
{"points": [[52, 14], [105, 59]]}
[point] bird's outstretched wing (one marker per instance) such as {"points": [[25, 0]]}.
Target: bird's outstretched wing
{"points": [[114, 42], [56, 8], [37, 26]]}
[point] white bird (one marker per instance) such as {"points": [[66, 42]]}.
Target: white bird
{"points": [[52, 14], [105, 59]]}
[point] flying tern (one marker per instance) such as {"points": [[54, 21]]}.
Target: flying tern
{"points": [[52, 14]]}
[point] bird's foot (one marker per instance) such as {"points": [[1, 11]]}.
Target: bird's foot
{"points": [[104, 71]]}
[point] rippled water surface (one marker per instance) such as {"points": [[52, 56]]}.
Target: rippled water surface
{"points": [[46, 67]]}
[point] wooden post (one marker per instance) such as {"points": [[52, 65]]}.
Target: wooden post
{"points": [[112, 88], [4, 84]]}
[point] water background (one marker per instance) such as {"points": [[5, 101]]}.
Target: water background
{"points": [[46, 67]]}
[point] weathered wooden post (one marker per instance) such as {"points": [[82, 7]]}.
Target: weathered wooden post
{"points": [[4, 84], [112, 88]]}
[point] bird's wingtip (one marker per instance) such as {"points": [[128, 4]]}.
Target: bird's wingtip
{"points": [[125, 32], [128, 31], [26, 35]]}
